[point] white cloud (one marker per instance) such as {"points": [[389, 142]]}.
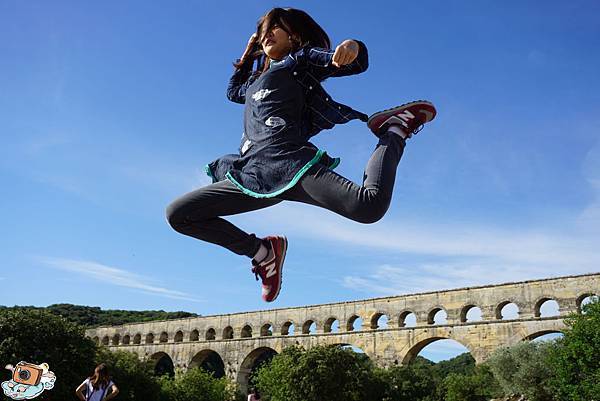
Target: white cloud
{"points": [[393, 280], [114, 276]]}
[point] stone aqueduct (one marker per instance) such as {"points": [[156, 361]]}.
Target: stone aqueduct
{"points": [[233, 344]]}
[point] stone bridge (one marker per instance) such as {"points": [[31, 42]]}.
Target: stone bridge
{"points": [[394, 329]]}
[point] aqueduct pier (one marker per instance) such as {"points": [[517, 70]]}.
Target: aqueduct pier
{"points": [[233, 344]]}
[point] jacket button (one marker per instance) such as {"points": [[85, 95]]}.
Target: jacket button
{"points": [[295, 72], [326, 99], [310, 87], [339, 107]]}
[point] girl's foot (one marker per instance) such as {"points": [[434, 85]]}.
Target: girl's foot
{"points": [[409, 116], [270, 269]]}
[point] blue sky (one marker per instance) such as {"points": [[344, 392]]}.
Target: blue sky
{"points": [[109, 110]]}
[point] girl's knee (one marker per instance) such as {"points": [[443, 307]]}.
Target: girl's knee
{"points": [[175, 216], [368, 213]]}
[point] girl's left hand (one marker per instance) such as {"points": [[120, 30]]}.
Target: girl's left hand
{"points": [[345, 53]]}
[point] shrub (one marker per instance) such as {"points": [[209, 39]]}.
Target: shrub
{"points": [[524, 369], [575, 360], [196, 385], [323, 373]]}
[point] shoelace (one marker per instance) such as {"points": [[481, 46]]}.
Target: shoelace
{"points": [[256, 271], [418, 129]]}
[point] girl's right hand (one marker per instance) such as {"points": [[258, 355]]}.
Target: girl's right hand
{"points": [[250, 47]]}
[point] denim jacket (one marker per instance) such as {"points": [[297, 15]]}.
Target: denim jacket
{"points": [[311, 66], [286, 105]]}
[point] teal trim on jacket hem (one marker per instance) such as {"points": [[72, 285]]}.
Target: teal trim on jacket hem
{"points": [[209, 173], [336, 162], [293, 182]]}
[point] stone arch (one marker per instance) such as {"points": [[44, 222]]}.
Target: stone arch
{"points": [[433, 312], [327, 327], [306, 326], [540, 333], [246, 331], [466, 309], [116, 339], [266, 330], [210, 361], [126, 339], [374, 324], [164, 337], [501, 305], [178, 336], [581, 298], [403, 315], [105, 340], [163, 364], [137, 339], [350, 323], [150, 338], [285, 328], [537, 307], [194, 335], [227, 333], [409, 353], [210, 335], [251, 362]]}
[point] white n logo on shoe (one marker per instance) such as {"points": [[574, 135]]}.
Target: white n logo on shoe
{"points": [[405, 115], [400, 118], [271, 269]]}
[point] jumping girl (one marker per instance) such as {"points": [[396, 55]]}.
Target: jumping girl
{"points": [[285, 105]]}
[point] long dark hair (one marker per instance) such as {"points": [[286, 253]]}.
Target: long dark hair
{"points": [[301, 27], [256, 393], [100, 377]]}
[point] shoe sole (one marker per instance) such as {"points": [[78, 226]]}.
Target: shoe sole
{"points": [[284, 252], [402, 106]]}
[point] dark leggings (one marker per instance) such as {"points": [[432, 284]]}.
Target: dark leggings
{"points": [[198, 213]]}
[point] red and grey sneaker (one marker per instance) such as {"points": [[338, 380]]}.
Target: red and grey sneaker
{"points": [[410, 117], [270, 269]]}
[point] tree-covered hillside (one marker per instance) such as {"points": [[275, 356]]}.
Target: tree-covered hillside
{"points": [[91, 316]]}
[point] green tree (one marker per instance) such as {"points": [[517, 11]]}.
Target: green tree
{"points": [[133, 377], [323, 373], [407, 383], [196, 385], [461, 364], [575, 359], [479, 385], [37, 336], [524, 369]]}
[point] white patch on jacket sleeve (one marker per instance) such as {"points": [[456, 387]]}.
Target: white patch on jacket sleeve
{"points": [[261, 94], [246, 146], [274, 122]]}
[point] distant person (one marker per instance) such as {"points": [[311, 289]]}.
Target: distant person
{"points": [[285, 105], [254, 395], [98, 387]]}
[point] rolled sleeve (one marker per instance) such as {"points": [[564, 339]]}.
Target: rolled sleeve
{"points": [[319, 62], [238, 83]]}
